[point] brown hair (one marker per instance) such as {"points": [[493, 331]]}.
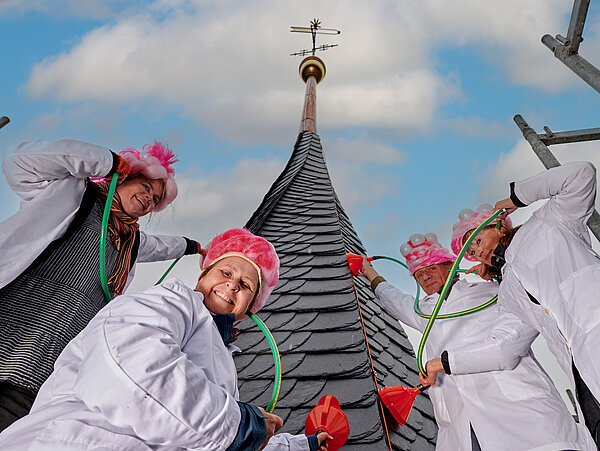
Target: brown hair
{"points": [[505, 241]]}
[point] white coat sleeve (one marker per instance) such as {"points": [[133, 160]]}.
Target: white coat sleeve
{"points": [[508, 341], [135, 373], [571, 189], [31, 166], [400, 305], [287, 442], [160, 247]]}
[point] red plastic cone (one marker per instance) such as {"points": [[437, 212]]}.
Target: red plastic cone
{"points": [[327, 416], [355, 262], [399, 401]]}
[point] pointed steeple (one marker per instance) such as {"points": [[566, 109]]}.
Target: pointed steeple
{"points": [[333, 336]]}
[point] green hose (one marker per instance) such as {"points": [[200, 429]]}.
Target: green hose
{"points": [[265, 330], [168, 270], [103, 233], [276, 359], [104, 283], [446, 289], [446, 315]]}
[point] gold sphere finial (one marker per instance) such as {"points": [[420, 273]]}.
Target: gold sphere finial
{"points": [[311, 65]]}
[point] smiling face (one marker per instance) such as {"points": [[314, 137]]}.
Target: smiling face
{"points": [[229, 286], [482, 247], [139, 195], [432, 277]]}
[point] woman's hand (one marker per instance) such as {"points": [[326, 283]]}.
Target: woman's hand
{"points": [[483, 270], [322, 437], [432, 367], [273, 423], [506, 204]]}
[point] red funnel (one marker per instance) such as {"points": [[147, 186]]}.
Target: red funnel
{"points": [[327, 416], [399, 401], [355, 262]]}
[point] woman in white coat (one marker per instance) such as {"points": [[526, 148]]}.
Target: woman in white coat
{"points": [[510, 403], [551, 275], [153, 371], [49, 271]]}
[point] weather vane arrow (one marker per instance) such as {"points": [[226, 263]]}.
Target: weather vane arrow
{"points": [[314, 30]]}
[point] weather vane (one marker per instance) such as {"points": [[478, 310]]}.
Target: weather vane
{"points": [[314, 30]]}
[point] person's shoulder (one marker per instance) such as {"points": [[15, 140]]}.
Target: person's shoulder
{"points": [[177, 286]]}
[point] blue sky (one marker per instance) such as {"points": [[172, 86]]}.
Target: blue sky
{"points": [[414, 114]]}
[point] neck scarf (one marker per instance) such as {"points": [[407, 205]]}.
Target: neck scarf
{"points": [[122, 230]]}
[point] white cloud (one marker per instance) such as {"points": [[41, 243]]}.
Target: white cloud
{"points": [[210, 203], [226, 63], [521, 162], [363, 150], [357, 185], [225, 66], [509, 34]]}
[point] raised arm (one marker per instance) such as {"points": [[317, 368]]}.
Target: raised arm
{"points": [[165, 247], [571, 189], [31, 166], [394, 301]]}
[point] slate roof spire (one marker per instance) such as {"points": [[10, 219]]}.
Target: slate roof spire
{"points": [[331, 332]]}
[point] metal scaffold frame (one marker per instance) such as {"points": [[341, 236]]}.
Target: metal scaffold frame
{"points": [[566, 50]]}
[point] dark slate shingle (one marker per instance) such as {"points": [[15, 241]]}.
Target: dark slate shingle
{"points": [[314, 316]]}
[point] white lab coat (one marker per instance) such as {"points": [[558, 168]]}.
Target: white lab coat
{"points": [[551, 257], [149, 372], [511, 406], [50, 179]]}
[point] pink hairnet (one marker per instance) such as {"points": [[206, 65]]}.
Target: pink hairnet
{"points": [[424, 250], [470, 220], [156, 165], [242, 242]]}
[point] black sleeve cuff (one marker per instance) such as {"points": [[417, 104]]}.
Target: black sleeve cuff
{"points": [[313, 442], [115, 164], [192, 247], [376, 281], [514, 198], [445, 363]]}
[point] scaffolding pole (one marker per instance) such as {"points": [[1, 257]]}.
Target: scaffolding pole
{"points": [[549, 160], [566, 49], [588, 134]]}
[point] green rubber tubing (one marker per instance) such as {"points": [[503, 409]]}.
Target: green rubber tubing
{"points": [[103, 233], [103, 281], [445, 315], [276, 359], [446, 289], [168, 270]]}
